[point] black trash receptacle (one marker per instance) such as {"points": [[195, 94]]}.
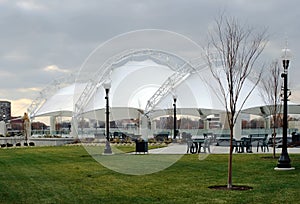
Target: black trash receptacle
{"points": [[141, 146]]}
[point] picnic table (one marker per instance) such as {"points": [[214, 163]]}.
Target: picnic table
{"points": [[194, 145], [243, 145]]}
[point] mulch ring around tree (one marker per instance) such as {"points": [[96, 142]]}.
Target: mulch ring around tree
{"points": [[234, 188]]}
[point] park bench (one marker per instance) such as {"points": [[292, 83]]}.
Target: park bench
{"points": [[162, 136], [222, 139]]}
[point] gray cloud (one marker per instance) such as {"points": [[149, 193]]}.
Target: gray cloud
{"points": [[37, 34]]}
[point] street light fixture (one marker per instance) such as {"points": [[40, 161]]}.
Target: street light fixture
{"points": [[175, 118], [284, 160], [107, 86]]}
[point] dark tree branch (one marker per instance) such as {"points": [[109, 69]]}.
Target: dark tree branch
{"points": [[237, 48]]}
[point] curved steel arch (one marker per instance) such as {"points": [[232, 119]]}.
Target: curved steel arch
{"points": [[181, 67], [49, 90]]}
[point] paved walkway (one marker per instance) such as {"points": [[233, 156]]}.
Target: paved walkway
{"points": [[175, 148]]}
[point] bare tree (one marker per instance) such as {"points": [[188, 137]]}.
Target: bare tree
{"points": [[234, 49], [272, 84]]}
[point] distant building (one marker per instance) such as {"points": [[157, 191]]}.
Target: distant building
{"points": [[5, 111], [16, 123], [214, 121]]}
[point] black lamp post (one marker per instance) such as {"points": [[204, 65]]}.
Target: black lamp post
{"points": [[175, 118], [284, 160], [107, 86]]}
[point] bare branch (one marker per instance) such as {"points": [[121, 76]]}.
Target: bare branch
{"points": [[272, 88], [238, 49]]}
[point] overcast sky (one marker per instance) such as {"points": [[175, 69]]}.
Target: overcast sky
{"points": [[47, 39]]}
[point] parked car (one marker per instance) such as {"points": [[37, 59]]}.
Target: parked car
{"points": [[278, 141]]}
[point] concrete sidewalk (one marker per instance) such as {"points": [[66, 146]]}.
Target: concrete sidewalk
{"points": [[175, 148]]}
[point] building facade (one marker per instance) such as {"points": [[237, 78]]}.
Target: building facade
{"points": [[5, 111]]}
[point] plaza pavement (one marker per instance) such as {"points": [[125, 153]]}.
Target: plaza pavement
{"points": [[175, 148]]}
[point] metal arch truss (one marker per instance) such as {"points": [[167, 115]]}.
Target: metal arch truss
{"points": [[181, 67], [182, 71], [50, 89]]}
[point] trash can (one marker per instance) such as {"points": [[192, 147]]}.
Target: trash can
{"points": [[141, 146]]}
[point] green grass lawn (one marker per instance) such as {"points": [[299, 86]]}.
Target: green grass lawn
{"points": [[69, 175]]}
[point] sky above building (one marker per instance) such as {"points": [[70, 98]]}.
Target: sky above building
{"points": [[45, 40]]}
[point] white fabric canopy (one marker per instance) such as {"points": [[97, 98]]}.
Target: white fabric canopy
{"points": [[133, 85], [264, 110], [61, 103]]}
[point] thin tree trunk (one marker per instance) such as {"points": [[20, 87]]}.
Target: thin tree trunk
{"points": [[229, 182], [237, 49], [274, 136]]}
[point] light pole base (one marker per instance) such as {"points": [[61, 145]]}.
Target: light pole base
{"points": [[107, 149], [284, 159], [284, 169]]}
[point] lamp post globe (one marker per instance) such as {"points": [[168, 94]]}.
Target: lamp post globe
{"points": [[107, 85]]}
